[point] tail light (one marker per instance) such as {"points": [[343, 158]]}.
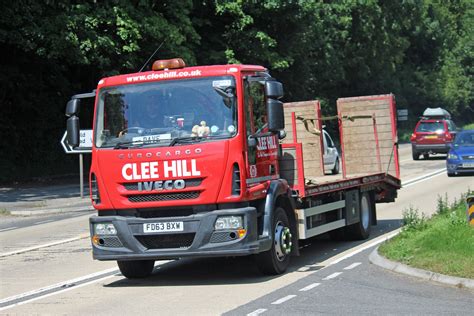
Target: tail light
{"points": [[413, 137], [95, 196], [449, 136]]}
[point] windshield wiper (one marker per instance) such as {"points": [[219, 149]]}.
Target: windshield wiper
{"points": [[185, 139], [125, 145]]}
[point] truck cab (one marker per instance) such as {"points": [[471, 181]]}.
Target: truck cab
{"points": [[180, 158]]}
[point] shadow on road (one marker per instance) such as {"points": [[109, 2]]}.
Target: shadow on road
{"points": [[243, 270], [32, 194]]}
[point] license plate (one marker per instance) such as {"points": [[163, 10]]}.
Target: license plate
{"points": [[163, 227], [468, 165], [431, 136], [151, 138]]}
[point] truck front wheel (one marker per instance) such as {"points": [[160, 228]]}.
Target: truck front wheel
{"points": [[277, 259], [136, 269]]}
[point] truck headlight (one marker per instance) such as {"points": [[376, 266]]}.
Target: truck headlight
{"points": [[105, 229], [228, 222]]}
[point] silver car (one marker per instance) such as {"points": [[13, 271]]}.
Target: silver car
{"points": [[330, 155]]}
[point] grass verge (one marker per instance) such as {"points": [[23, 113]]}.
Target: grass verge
{"points": [[443, 243]]}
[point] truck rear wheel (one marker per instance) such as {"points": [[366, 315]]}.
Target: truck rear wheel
{"points": [[361, 230], [415, 155], [277, 259], [136, 269]]}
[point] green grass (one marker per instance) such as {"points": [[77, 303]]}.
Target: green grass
{"points": [[443, 243], [468, 126]]}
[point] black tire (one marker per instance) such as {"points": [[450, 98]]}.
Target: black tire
{"points": [[426, 156], [136, 269], [361, 230], [277, 259], [335, 170], [450, 174], [415, 155]]}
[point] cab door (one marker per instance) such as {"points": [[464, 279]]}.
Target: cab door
{"points": [[262, 146]]}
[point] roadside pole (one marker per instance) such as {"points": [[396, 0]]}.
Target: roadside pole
{"points": [[81, 174]]}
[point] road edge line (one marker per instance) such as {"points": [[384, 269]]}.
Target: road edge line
{"points": [[423, 177]]}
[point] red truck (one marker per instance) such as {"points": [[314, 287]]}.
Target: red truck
{"points": [[207, 161]]}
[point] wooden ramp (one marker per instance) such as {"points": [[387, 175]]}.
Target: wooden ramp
{"points": [[300, 142], [368, 135]]}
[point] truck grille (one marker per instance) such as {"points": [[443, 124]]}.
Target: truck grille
{"points": [[133, 186], [157, 213], [470, 157], [166, 241], [164, 197]]}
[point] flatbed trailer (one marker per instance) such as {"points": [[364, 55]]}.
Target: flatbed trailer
{"points": [[369, 158]]}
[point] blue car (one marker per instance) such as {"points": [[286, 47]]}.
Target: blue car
{"points": [[461, 155]]}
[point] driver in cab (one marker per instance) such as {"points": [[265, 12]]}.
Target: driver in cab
{"points": [[151, 116], [146, 115]]}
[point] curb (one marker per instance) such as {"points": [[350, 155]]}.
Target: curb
{"points": [[401, 268]]}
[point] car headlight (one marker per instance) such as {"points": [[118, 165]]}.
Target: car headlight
{"points": [[228, 222], [105, 229], [452, 156]]}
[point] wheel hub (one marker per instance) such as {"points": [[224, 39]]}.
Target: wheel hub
{"points": [[283, 242]]}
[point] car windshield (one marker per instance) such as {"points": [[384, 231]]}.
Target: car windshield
{"points": [[465, 139], [162, 113], [431, 127]]}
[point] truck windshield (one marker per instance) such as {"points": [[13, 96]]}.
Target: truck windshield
{"points": [[164, 112]]}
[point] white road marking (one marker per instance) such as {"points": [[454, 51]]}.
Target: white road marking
{"points": [[54, 293], [257, 312], [57, 285], [352, 266], [42, 222], [309, 287], [284, 299], [422, 178], [332, 276], [362, 247], [9, 228], [63, 286], [15, 252], [303, 269]]}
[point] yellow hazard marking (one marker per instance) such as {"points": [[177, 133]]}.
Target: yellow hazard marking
{"points": [[471, 215]]}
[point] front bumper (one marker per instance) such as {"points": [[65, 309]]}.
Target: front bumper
{"points": [[198, 238], [459, 166], [431, 148]]}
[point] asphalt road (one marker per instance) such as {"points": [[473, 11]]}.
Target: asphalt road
{"points": [[63, 279]]}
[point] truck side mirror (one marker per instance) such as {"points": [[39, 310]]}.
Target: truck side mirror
{"points": [[73, 131], [276, 118], [73, 107], [273, 89]]}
